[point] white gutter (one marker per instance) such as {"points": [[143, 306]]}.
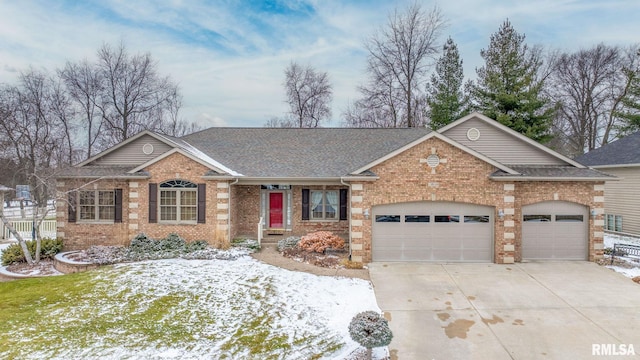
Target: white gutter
{"points": [[533, 178], [348, 213]]}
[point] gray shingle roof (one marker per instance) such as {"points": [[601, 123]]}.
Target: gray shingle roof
{"points": [[300, 153], [551, 172], [620, 152]]}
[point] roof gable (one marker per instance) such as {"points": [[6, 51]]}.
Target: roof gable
{"points": [[437, 135], [624, 151], [502, 143], [131, 151]]}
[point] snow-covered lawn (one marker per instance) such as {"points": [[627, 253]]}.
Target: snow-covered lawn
{"points": [[191, 309], [610, 240]]}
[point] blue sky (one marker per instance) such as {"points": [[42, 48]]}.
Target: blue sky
{"points": [[229, 56]]}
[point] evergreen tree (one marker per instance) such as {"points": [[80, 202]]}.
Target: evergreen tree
{"points": [[508, 88], [630, 116], [445, 98]]}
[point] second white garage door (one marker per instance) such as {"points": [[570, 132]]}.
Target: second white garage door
{"points": [[555, 230], [432, 231]]}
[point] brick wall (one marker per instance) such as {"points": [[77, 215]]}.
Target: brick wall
{"points": [[135, 212], [80, 235], [246, 212], [460, 177], [303, 227]]}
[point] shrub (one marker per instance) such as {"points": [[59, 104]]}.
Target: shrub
{"points": [[246, 243], [145, 248], [143, 243], [288, 243], [196, 245], [370, 330], [172, 242], [319, 241], [48, 249]]}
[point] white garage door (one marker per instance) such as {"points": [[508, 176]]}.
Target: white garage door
{"points": [[555, 230], [432, 231]]}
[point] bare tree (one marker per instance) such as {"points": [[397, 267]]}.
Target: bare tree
{"points": [[589, 86], [34, 123], [399, 56], [133, 93], [308, 94], [170, 121], [84, 87]]}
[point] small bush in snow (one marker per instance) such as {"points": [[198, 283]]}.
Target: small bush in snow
{"points": [[319, 241], [288, 243], [48, 249], [172, 242], [197, 245], [246, 244], [370, 330]]}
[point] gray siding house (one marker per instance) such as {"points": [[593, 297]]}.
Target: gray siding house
{"points": [[622, 198]]}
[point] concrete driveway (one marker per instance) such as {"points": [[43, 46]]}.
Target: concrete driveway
{"points": [[536, 310]]}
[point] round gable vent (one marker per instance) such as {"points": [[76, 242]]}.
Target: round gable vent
{"points": [[433, 160], [147, 149], [473, 134]]}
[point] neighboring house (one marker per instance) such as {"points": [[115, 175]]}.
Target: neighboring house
{"points": [[622, 198], [474, 190]]}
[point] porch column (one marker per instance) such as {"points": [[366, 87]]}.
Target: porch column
{"points": [[596, 233], [222, 220], [133, 226], [507, 247], [359, 244]]}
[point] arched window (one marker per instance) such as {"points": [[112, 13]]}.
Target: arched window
{"points": [[178, 201]]}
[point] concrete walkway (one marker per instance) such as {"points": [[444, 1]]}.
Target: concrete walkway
{"points": [[536, 310]]}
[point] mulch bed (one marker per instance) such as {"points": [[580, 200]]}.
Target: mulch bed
{"points": [[43, 268]]}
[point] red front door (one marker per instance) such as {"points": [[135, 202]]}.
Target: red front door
{"points": [[275, 210]]}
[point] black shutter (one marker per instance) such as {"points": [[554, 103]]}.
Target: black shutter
{"points": [[71, 207], [343, 204], [305, 204], [153, 203], [118, 210], [202, 203]]}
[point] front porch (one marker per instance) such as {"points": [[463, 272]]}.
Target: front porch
{"points": [[285, 210]]}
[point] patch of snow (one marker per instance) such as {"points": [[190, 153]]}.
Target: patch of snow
{"points": [[299, 306], [202, 156], [634, 266], [628, 272], [610, 239]]}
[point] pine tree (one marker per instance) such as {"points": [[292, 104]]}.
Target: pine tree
{"points": [[508, 88], [630, 116], [445, 98]]}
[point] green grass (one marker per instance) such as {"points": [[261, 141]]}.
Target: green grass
{"points": [[48, 316]]}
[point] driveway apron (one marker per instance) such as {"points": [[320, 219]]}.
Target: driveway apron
{"points": [[535, 310]]}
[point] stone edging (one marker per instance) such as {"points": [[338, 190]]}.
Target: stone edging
{"points": [[67, 266]]}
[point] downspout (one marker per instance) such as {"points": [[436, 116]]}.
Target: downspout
{"points": [[348, 213], [229, 210]]}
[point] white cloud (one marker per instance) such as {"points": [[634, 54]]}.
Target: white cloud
{"points": [[229, 59]]}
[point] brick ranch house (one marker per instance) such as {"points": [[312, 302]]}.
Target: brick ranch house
{"points": [[474, 191]]}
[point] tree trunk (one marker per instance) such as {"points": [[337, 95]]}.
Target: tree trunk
{"points": [[23, 244], [369, 353]]}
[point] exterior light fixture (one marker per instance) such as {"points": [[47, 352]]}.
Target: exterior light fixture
{"points": [[501, 214], [366, 214]]}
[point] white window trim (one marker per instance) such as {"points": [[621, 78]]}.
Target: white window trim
{"points": [[96, 206], [178, 206], [324, 204]]}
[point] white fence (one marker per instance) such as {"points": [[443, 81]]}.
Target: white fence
{"points": [[25, 228]]}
